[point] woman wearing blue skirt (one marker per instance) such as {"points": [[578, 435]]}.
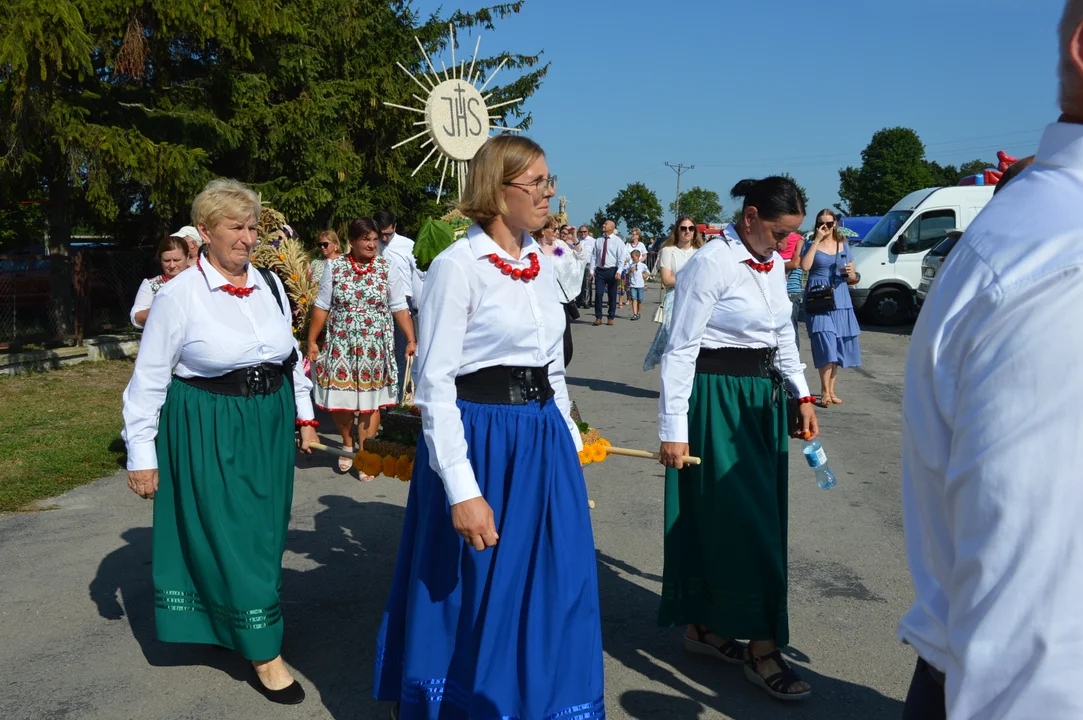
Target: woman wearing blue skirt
{"points": [[832, 334], [493, 610]]}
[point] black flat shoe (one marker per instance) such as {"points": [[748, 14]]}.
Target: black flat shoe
{"points": [[293, 694]]}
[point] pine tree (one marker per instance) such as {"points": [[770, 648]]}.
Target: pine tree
{"points": [[116, 112]]}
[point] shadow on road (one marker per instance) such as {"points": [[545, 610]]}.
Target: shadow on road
{"points": [[609, 386], [332, 610], [697, 684]]}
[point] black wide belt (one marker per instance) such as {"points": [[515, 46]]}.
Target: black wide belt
{"points": [[262, 379], [737, 362], [505, 385]]}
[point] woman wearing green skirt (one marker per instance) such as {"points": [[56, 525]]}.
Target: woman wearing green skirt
{"points": [[730, 363], [209, 419]]}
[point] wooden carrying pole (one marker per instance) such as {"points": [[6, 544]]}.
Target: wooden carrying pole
{"points": [[688, 459], [333, 451]]}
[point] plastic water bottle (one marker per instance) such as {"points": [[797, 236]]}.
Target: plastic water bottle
{"points": [[817, 460]]}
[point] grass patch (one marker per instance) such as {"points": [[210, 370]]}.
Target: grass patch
{"points": [[60, 430]]}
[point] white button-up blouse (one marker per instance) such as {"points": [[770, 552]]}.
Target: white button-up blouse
{"points": [[197, 329], [721, 302], [473, 317]]}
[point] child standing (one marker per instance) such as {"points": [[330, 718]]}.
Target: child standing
{"points": [[637, 275]]}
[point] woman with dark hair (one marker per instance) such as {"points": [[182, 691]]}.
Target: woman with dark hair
{"points": [[832, 332], [360, 303], [684, 240], [493, 610], [731, 350], [173, 257]]}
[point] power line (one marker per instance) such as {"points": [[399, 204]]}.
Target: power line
{"points": [[679, 168], [845, 156]]}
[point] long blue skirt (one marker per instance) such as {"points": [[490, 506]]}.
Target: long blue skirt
{"points": [[513, 632]]}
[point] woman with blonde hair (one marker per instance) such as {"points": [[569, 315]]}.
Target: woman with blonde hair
{"points": [[209, 421], [493, 610], [330, 248], [683, 241], [832, 325]]}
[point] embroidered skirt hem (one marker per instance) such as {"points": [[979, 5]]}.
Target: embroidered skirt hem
{"points": [[225, 487], [513, 632]]}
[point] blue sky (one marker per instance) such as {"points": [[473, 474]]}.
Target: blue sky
{"points": [[748, 89]]}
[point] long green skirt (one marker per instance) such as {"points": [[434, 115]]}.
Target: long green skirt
{"points": [[225, 486], [725, 542]]}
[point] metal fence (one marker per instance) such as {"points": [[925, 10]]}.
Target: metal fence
{"points": [[61, 299]]}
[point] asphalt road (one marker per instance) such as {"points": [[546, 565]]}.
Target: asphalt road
{"points": [[76, 617]]}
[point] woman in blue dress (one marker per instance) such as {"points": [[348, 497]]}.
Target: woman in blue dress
{"points": [[832, 334], [493, 611]]}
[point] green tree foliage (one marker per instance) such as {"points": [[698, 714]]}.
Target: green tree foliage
{"points": [[950, 175], [800, 189], [705, 206], [117, 111], [893, 165], [637, 206], [596, 222]]}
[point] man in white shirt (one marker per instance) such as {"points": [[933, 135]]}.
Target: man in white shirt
{"points": [[992, 485], [398, 250], [586, 298], [606, 266]]}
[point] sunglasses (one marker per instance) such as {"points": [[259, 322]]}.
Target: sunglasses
{"points": [[827, 225], [324, 245], [687, 228], [582, 232]]}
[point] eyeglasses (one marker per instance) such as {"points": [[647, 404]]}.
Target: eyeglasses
{"points": [[687, 228], [324, 245], [539, 186]]}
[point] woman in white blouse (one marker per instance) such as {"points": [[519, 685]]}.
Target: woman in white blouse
{"points": [[569, 263], [209, 418], [684, 240], [493, 611], [173, 257], [731, 358]]}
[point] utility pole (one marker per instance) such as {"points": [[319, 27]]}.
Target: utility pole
{"points": [[678, 168]]}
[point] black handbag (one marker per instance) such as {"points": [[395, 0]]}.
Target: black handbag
{"points": [[821, 299]]}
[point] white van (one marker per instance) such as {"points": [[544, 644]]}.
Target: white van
{"points": [[889, 257]]}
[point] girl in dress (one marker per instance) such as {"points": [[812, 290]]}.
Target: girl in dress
{"points": [[493, 611], [731, 349], [833, 334], [683, 241], [355, 371]]}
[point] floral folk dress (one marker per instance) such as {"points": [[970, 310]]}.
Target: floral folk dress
{"points": [[356, 368]]}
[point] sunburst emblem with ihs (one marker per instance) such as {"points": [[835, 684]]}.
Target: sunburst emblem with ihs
{"points": [[457, 120]]}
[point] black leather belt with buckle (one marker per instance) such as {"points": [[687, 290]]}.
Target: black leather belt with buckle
{"points": [[505, 385], [262, 379]]}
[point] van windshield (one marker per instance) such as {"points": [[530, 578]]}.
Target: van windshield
{"points": [[883, 231]]}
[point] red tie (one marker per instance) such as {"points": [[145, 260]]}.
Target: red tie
{"points": [[605, 251], [760, 267]]}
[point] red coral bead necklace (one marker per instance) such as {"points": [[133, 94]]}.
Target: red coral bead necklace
{"points": [[231, 289], [516, 273]]}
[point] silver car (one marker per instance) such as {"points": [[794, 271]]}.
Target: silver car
{"points": [[933, 260]]}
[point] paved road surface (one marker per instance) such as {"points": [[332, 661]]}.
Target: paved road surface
{"points": [[76, 619]]}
